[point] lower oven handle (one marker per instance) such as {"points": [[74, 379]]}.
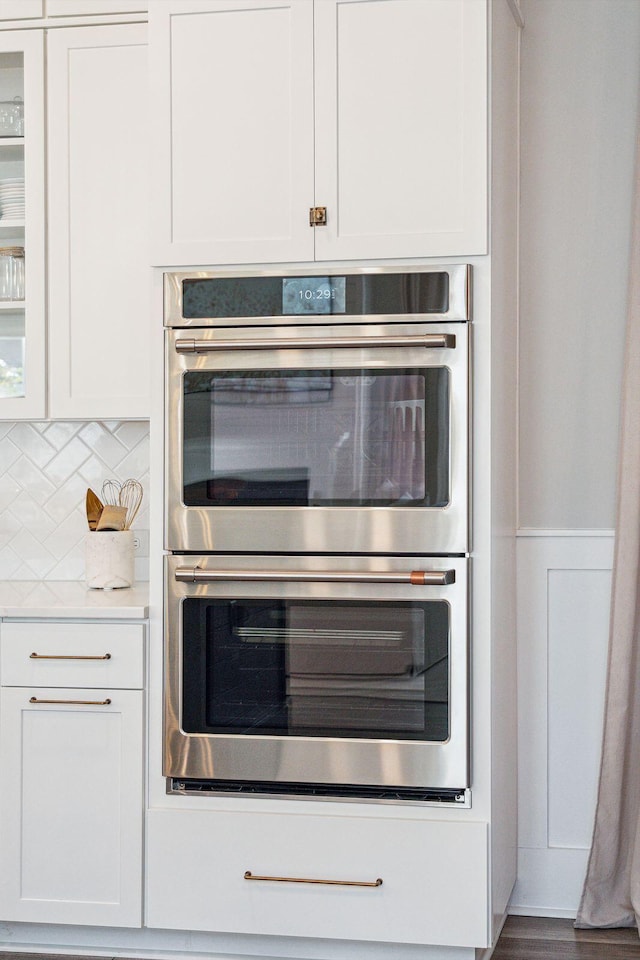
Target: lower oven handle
{"points": [[419, 578], [430, 340]]}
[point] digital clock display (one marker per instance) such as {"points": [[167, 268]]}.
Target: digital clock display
{"points": [[313, 295]]}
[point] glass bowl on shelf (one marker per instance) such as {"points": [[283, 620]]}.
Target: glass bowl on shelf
{"points": [[12, 118]]}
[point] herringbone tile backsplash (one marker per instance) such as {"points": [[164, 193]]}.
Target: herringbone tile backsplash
{"points": [[45, 469]]}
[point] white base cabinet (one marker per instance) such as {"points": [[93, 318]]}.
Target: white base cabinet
{"points": [[433, 890], [71, 805]]}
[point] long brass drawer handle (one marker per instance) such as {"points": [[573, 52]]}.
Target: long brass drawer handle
{"points": [[331, 883], [66, 656], [78, 703]]}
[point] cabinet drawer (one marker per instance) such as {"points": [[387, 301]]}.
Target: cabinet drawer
{"points": [[73, 654], [434, 876]]}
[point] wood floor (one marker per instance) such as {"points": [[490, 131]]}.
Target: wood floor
{"points": [[539, 938], [522, 938]]}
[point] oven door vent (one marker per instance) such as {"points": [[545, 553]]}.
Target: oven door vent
{"points": [[318, 790]]}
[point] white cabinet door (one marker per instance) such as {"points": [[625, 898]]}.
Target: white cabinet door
{"points": [[71, 807], [98, 230], [22, 322], [401, 128], [233, 81]]}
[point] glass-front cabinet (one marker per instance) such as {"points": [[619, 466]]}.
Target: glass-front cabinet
{"points": [[22, 315]]}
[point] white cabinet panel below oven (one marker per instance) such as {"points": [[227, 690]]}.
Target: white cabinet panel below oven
{"points": [[433, 891]]}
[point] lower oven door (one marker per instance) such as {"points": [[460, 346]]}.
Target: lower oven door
{"points": [[343, 671]]}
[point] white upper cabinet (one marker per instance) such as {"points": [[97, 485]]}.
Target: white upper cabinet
{"points": [[233, 90], [22, 313], [97, 225], [375, 110], [401, 128], [98, 222], [78, 8], [29, 9], [21, 9]]}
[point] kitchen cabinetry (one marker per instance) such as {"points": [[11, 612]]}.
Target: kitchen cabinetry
{"points": [[32, 9], [98, 229], [77, 8], [71, 756], [207, 862], [98, 283], [459, 864], [373, 111], [22, 322], [20, 9]]}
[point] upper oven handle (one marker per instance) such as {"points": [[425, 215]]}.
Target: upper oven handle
{"points": [[430, 340], [419, 578]]}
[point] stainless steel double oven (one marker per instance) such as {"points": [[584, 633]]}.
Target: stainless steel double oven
{"points": [[317, 529]]}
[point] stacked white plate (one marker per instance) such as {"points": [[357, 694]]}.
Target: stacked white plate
{"points": [[12, 199]]}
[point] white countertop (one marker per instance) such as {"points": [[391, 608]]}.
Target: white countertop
{"points": [[72, 599]]}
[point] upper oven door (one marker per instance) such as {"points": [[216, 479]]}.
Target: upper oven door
{"points": [[339, 439]]}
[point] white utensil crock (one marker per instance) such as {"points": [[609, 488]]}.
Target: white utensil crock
{"points": [[108, 558]]}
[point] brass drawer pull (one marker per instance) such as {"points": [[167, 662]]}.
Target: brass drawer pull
{"points": [[331, 883], [66, 656], [78, 703]]}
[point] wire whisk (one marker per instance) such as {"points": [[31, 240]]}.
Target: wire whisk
{"points": [[111, 492], [130, 497]]}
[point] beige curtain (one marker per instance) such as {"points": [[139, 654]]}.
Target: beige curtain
{"points": [[611, 894]]}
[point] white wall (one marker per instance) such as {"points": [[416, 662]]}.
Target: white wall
{"points": [[580, 76], [579, 88]]}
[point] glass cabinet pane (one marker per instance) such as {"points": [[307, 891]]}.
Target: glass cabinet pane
{"points": [[12, 372], [22, 225]]}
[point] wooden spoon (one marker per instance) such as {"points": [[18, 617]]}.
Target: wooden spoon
{"points": [[112, 518], [94, 509]]}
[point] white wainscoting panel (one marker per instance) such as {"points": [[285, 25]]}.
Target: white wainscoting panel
{"points": [[564, 584]]}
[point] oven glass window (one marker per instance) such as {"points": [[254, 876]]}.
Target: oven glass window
{"points": [[317, 437], [316, 668]]}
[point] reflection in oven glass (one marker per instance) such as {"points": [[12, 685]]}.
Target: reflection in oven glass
{"points": [[316, 668], [350, 437]]}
